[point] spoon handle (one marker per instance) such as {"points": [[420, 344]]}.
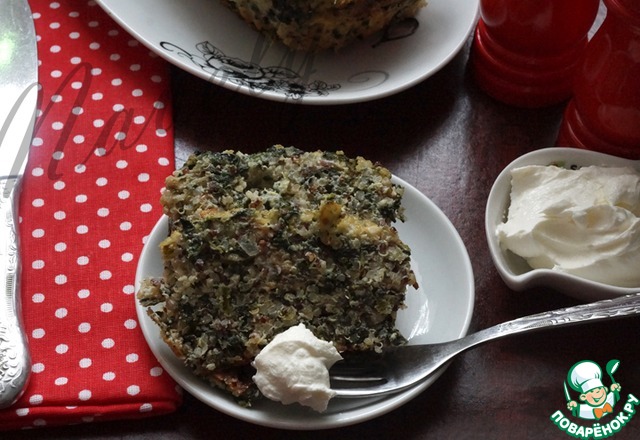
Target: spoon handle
{"points": [[14, 355]]}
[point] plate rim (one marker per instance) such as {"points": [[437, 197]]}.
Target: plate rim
{"points": [[383, 405]]}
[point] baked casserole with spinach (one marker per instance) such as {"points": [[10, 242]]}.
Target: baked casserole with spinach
{"points": [[316, 25], [258, 243]]}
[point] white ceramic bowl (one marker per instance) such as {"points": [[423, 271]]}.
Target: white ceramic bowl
{"points": [[514, 270]]}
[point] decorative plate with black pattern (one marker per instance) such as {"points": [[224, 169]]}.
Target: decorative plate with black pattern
{"points": [[206, 39]]}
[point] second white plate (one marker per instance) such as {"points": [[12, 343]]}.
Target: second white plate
{"points": [[206, 39]]}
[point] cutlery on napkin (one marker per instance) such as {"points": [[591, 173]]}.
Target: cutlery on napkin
{"points": [[18, 89], [102, 147]]}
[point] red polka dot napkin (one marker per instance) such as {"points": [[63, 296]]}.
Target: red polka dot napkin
{"points": [[102, 148]]}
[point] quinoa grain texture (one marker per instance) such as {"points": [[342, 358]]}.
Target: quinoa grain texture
{"points": [[261, 242], [315, 25]]}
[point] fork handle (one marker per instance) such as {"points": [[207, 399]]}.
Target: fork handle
{"points": [[413, 363], [607, 309]]}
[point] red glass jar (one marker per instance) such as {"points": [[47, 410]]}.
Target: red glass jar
{"points": [[604, 113], [525, 52]]}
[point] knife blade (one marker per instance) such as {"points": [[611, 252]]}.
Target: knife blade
{"points": [[18, 103]]}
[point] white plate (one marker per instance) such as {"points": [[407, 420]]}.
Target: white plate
{"points": [[514, 270], [238, 58], [439, 311]]}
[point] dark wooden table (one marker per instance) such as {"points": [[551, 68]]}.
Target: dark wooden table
{"points": [[450, 140]]}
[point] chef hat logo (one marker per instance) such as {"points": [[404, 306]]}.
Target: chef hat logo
{"points": [[585, 376]]}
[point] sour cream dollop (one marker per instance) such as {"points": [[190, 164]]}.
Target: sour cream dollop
{"points": [[294, 367], [584, 222]]}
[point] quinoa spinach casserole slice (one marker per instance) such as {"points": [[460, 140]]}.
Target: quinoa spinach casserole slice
{"points": [[316, 25], [261, 242]]}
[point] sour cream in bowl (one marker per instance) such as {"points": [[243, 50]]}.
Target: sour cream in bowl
{"points": [[577, 233]]}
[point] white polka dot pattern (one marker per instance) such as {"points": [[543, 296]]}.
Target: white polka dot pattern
{"points": [[101, 150]]}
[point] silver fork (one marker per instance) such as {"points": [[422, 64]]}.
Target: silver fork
{"points": [[399, 368]]}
